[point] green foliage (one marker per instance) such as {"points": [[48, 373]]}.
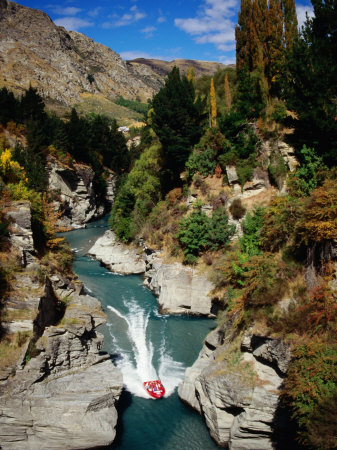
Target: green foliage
{"points": [[250, 241], [201, 161], [311, 86], [197, 232], [311, 389], [139, 107], [250, 98], [306, 177], [138, 195], [176, 119]]}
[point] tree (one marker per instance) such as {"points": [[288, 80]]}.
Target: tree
{"points": [[264, 32], [311, 88], [213, 105], [177, 117], [228, 97]]}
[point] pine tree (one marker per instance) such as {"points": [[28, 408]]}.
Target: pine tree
{"points": [[177, 117], [213, 105], [228, 97]]}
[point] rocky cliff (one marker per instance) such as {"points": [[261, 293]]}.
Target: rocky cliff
{"points": [[235, 384], [179, 289], [33, 50], [75, 198], [60, 391]]}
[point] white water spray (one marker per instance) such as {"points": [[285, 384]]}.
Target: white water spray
{"points": [[137, 366]]}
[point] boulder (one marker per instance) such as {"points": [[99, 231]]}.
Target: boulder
{"points": [[232, 175], [117, 257], [179, 289]]}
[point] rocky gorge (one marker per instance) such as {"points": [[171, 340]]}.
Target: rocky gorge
{"points": [[61, 390], [235, 383]]}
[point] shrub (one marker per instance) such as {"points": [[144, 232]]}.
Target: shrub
{"points": [[311, 390], [250, 242], [277, 170], [193, 233], [201, 161], [319, 219], [237, 209]]}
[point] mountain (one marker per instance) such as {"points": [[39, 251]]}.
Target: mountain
{"points": [[64, 65], [162, 68], [69, 68]]}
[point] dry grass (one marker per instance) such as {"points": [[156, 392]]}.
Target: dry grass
{"points": [[261, 199], [11, 347]]}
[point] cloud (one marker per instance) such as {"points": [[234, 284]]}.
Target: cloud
{"points": [[67, 11], [161, 19], [94, 12], [126, 19], [301, 11], [73, 23], [214, 23], [148, 31]]}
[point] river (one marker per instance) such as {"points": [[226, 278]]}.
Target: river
{"points": [[144, 345]]}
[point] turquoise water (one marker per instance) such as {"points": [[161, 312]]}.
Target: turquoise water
{"points": [[145, 345]]}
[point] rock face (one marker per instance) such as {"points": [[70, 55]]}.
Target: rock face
{"points": [[74, 186], [33, 50], [180, 289], [65, 396], [20, 230], [60, 393], [238, 393], [116, 256]]}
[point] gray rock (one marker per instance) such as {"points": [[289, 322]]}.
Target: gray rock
{"points": [[20, 230], [77, 199], [179, 289], [116, 256], [232, 175]]}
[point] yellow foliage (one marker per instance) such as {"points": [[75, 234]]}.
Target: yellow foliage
{"points": [[319, 221], [10, 169], [213, 105]]}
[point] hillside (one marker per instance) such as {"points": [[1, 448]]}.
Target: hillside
{"points": [[162, 68], [61, 65]]}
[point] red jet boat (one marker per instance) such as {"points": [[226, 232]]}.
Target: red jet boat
{"points": [[154, 388]]}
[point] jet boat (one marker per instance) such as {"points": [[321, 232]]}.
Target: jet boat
{"points": [[154, 388]]}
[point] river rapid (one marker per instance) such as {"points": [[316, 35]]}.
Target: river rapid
{"points": [[145, 345]]}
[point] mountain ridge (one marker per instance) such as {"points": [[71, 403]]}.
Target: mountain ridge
{"points": [[66, 65]]}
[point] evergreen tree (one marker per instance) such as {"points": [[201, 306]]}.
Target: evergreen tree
{"points": [[228, 97], [9, 107], [176, 119], [32, 106], [312, 86]]}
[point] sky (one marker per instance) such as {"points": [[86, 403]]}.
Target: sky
{"points": [[161, 29]]}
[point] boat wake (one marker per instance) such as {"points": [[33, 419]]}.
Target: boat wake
{"points": [[136, 363]]}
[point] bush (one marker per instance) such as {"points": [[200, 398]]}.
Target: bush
{"points": [[311, 390], [197, 232], [250, 242], [237, 209]]}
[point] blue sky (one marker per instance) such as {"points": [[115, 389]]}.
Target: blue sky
{"points": [[191, 29]]}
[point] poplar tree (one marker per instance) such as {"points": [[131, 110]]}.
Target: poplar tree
{"points": [[213, 104], [265, 30]]}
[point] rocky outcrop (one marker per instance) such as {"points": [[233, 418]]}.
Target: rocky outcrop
{"points": [[61, 391], [180, 289], [20, 230], [33, 50], [117, 257], [237, 389], [64, 391], [73, 187]]}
